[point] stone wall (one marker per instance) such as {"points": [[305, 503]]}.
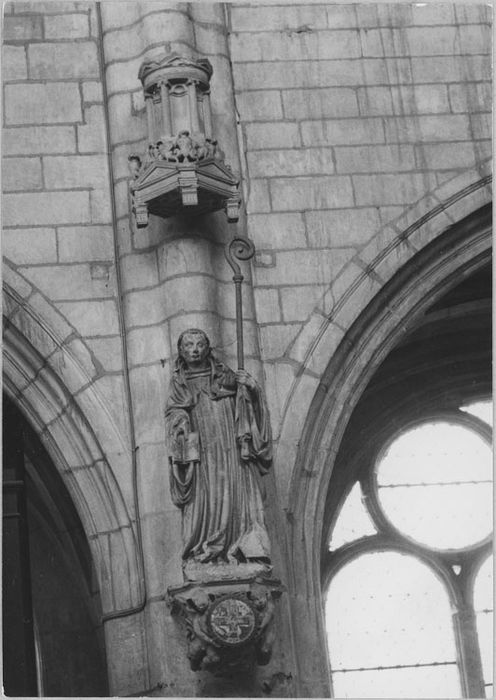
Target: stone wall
{"points": [[350, 114], [57, 214], [355, 129]]}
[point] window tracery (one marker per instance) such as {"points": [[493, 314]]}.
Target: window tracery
{"points": [[409, 576]]}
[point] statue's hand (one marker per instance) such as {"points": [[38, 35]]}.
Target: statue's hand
{"points": [[183, 430], [245, 378]]}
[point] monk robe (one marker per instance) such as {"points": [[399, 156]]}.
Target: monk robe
{"points": [[214, 473]]}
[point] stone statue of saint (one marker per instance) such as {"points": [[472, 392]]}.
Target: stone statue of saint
{"points": [[219, 441]]}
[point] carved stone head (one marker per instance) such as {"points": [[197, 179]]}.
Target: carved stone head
{"points": [[193, 346]]}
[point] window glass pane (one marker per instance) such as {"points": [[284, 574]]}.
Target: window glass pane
{"points": [[483, 604], [480, 409], [353, 520], [430, 682], [434, 484], [389, 609]]}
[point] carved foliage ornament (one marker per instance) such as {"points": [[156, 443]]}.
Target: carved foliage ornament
{"points": [[228, 626]]}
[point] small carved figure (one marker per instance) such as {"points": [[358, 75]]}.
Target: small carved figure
{"points": [[210, 145], [184, 145], [219, 444], [218, 152], [167, 149], [134, 162], [200, 146], [150, 155]]}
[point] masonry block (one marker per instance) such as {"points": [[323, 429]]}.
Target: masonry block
{"points": [[100, 203], [258, 197], [91, 318], [259, 105], [386, 71], [474, 38], [446, 69], [375, 159], [272, 135], [481, 125], [296, 74], [85, 243], [148, 345], [91, 136], [323, 44], [476, 13], [470, 97], [55, 7], [185, 255], [64, 282], [341, 16], [73, 26], [46, 208], [303, 267], [432, 41], [320, 103], [454, 127], [63, 172], [278, 231], [30, 246], [270, 18], [38, 139], [14, 65], [38, 103], [139, 270], [125, 126], [276, 338], [107, 352], [115, 16], [17, 28], [302, 193], [423, 99], [63, 60], [21, 174], [92, 91], [447, 156], [371, 15], [374, 101], [267, 305], [311, 161], [123, 76], [338, 228], [298, 302], [158, 27], [146, 307], [427, 14], [342, 132], [400, 188]]}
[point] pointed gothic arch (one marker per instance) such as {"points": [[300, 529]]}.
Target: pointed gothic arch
{"points": [[72, 437], [428, 274]]}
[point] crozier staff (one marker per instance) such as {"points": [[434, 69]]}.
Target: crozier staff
{"points": [[219, 439]]}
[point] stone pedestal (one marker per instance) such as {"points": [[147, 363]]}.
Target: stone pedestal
{"points": [[227, 620]]}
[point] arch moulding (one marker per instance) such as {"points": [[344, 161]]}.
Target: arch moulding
{"points": [[32, 353], [421, 275]]}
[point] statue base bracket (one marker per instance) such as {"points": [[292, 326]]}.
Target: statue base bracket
{"points": [[228, 622]]}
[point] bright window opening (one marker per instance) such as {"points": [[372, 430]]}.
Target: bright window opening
{"points": [[353, 522], [435, 485], [389, 613], [483, 606], [389, 630], [480, 409]]}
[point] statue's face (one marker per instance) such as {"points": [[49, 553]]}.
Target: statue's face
{"points": [[194, 349]]}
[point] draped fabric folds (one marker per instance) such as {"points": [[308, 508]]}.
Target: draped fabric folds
{"points": [[217, 483]]}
